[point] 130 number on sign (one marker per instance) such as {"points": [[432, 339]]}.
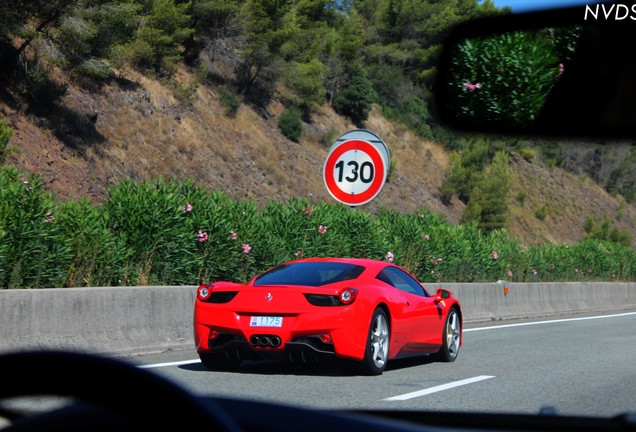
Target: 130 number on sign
{"points": [[355, 169]]}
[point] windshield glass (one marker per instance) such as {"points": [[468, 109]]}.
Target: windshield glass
{"points": [[161, 158], [309, 273]]}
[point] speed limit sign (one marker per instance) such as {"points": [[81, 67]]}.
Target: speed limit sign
{"points": [[356, 167]]}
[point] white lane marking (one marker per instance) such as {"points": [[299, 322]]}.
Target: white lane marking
{"points": [[496, 327], [179, 363], [439, 388]]}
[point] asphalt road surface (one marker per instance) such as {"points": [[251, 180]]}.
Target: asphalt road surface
{"points": [[581, 365]]}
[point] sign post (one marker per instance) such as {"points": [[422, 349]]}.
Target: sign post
{"points": [[356, 167]]}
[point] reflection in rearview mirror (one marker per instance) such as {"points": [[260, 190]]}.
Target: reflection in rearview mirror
{"points": [[568, 76], [506, 79]]}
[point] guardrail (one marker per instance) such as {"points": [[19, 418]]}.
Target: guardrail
{"points": [[129, 320]]}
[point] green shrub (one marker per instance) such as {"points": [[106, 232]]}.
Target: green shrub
{"points": [[355, 99], [521, 197], [230, 102], [6, 132], [542, 212], [400, 99], [305, 80], [94, 69], [527, 154], [165, 232], [607, 231], [34, 251], [99, 257], [149, 218], [328, 137], [290, 123]]}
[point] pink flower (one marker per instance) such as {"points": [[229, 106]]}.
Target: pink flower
{"points": [[187, 208], [426, 237], [509, 273], [561, 70], [233, 235], [246, 248], [534, 272], [495, 255], [389, 256], [438, 261], [470, 87], [202, 236], [49, 217], [322, 229]]}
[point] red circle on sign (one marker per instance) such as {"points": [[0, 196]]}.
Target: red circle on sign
{"points": [[376, 184]]}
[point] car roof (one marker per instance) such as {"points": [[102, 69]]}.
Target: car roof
{"points": [[367, 262]]}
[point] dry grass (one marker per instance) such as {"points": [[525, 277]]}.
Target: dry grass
{"points": [[569, 199]]}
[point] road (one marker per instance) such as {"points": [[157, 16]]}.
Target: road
{"points": [[580, 366]]}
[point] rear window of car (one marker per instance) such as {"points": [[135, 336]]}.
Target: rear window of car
{"points": [[309, 273]]}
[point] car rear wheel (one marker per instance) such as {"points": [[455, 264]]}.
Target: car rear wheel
{"points": [[377, 350], [451, 338], [219, 361]]}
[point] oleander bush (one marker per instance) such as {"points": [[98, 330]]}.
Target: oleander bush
{"points": [[33, 250], [165, 232]]}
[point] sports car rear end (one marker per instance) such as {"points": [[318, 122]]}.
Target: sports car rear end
{"points": [[236, 322]]}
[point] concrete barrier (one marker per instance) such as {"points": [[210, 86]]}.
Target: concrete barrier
{"points": [[113, 320], [130, 320], [491, 302]]}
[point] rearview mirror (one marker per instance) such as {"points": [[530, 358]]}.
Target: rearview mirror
{"points": [[562, 72]]}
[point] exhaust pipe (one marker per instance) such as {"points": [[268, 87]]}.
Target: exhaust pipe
{"points": [[265, 341]]}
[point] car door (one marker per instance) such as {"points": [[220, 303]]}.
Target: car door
{"points": [[420, 322]]}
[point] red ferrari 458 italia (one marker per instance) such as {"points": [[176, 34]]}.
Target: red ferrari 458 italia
{"points": [[363, 310]]}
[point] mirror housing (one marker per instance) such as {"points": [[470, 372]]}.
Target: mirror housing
{"points": [[442, 294]]}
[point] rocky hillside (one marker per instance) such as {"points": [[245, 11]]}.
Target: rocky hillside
{"points": [[139, 128]]}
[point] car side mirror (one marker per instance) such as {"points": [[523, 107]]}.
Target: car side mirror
{"points": [[442, 293]]}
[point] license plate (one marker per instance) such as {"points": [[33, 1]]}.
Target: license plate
{"points": [[266, 321]]}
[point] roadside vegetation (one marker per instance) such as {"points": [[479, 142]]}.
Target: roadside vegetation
{"points": [[351, 55], [165, 232]]}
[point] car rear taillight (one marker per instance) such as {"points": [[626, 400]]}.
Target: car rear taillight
{"points": [[204, 292], [343, 298], [348, 295], [207, 293]]}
